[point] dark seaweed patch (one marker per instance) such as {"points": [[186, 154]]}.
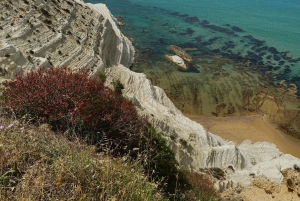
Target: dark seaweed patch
{"points": [[192, 20], [237, 29], [273, 50], [178, 14], [183, 15], [276, 57], [254, 40], [258, 50], [189, 31], [287, 70], [175, 13], [269, 67], [262, 54], [188, 45], [198, 38], [172, 31], [204, 22], [276, 68], [218, 29], [254, 57], [264, 48], [161, 41], [212, 40]]}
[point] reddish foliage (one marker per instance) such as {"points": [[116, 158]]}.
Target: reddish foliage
{"points": [[66, 98]]}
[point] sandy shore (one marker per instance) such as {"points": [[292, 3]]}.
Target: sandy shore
{"points": [[257, 128]]}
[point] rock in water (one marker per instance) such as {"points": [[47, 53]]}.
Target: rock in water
{"points": [[178, 61]]}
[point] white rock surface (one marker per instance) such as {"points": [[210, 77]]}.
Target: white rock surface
{"points": [[71, 33], [196, 148], [177, 60], [61, 33]]}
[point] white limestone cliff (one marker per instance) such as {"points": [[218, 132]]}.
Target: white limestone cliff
{"points": [[71, 33], [60, 33], [196, 148]]}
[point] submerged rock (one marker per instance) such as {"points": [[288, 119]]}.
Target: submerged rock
{"points": [[180, 52]]}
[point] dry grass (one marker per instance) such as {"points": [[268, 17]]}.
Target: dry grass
{"points": [[38, 164], [202, 187]]}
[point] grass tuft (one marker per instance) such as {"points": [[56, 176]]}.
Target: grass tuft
{"points": [[38, 164]]}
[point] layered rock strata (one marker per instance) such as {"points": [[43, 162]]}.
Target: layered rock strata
{"points": [[196, 148], [36, 33]]}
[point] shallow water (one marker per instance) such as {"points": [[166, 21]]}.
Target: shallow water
{"points": [[266, 33], [243, 48]]}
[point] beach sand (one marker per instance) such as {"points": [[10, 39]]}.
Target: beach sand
{"points": [[256, 128]]}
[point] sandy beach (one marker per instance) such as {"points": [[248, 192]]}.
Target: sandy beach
{"points": [[256, 128]]}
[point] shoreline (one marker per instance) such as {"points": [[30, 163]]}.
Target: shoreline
{"points": [[256, 128]]}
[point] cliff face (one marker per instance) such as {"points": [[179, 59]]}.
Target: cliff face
{"points": [[196, 148], [36, 33]]}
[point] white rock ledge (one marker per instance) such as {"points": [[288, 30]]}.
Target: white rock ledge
{"points": [[196, 148]]}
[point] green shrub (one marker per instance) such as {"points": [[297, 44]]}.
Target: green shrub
{"points": [[118, 86], [161, 165], [102, 77]]}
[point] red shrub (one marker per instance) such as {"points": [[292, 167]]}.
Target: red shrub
{"points": [[66, 99]]}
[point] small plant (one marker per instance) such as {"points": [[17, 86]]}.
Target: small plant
{"points": [[201, 187], [102, 77], [118, 86]]}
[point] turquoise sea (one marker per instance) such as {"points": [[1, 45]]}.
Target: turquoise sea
{"points": [[263, 34]]}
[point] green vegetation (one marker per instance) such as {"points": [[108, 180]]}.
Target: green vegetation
{"points": [[65, 136], [118, 86]]}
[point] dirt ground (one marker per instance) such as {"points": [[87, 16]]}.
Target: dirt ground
{"points": [[257, 128]]}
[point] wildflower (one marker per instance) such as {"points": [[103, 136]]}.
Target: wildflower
{"points": [[10, 125], [22, 128], [1, 127]]}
